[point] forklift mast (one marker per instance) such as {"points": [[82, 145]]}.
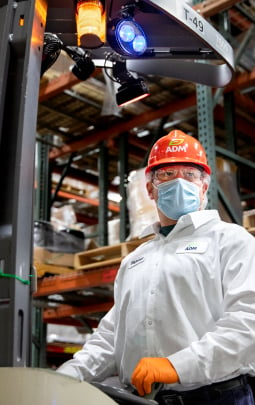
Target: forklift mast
{"points": [[22, 25]]}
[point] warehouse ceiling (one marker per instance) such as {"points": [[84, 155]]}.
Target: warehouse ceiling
{"points": [[76, 119]]}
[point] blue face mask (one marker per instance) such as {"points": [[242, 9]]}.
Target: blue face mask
{"points": [[178, 197]]}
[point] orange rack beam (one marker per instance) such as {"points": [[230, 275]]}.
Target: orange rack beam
{"points": [[63, 311], [77, 280]]}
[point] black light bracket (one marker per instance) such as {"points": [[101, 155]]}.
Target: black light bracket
{"points": [[128, 10], [119, 70], [83, 67]]}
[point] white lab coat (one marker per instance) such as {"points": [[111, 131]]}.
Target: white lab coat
{"points": [[190, 297]]}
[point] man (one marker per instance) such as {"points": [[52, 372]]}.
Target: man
{"points": [[184, 312]]}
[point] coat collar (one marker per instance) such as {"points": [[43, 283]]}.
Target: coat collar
{"points": [[196, 219]]}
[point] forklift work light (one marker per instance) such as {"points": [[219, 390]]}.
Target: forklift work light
{"points": [[127, 37], [131, 88], [131, 91]]}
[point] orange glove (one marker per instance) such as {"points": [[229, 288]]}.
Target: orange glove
{"points": [[151, 370]]}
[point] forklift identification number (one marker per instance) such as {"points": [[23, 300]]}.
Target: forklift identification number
{"points": [[193, 20]]}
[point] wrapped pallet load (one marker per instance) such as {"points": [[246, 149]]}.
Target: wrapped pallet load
{"points": [[142, 210], [56, 247], [227, 179]]}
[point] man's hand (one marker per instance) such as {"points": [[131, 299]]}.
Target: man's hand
{"points": [[151, 370]]}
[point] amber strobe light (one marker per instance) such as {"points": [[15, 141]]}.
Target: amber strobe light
{"points": [[90, 23]]}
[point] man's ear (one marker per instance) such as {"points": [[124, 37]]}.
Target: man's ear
{"points": [[149, 187], [205, 187]]}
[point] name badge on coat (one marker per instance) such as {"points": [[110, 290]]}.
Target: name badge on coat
{"points": [[196, 246]]}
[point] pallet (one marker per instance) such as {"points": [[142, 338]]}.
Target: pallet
{"points": [[106, 255], [249, 219], [251, 230], [41, 269]]}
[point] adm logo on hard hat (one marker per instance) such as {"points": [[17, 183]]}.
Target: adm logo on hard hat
{"points": [[175, 145]]}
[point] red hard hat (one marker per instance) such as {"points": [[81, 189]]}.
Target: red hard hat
{"points": [[177, 147]]}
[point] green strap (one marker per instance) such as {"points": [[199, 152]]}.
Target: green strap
{"points": [[14, 276]]}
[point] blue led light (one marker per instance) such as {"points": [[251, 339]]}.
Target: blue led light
{"points": [[139, 44], [130, 37], [126, 32]]}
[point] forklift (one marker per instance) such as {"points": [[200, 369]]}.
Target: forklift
{"points": [[29, 386]]}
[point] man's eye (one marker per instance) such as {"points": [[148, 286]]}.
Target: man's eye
{"points": [[190, 174], [169, 173]]}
